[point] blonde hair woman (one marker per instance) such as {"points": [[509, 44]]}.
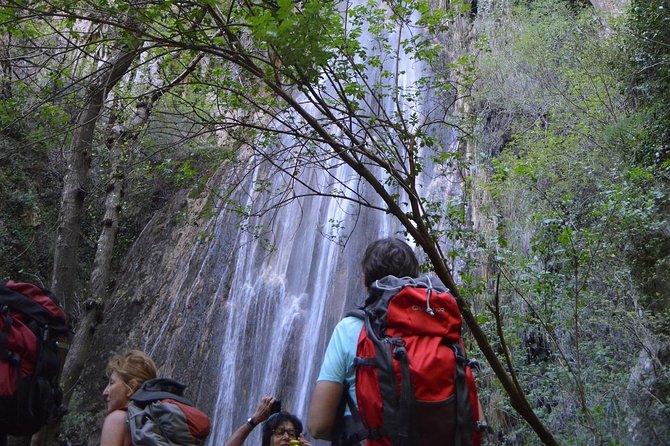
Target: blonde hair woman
{"points": [[126, 373]]}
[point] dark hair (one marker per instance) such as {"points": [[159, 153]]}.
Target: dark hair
{"points": [[388, 257], [275, 420]]}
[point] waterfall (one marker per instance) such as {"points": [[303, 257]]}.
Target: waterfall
{"points": [[283, 296], [275, 330]]}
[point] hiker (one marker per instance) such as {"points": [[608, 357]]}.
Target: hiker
{"points": [[278, 429], [388, 256], [405, 352], [126, 373]]}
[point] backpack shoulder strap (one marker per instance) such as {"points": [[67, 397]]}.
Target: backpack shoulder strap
{"points": [[135, 417], [465, 416], [350, 429], [358, 313]]}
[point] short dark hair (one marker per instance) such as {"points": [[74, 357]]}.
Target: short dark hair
{"points": [[275, 420], [388, 257]]}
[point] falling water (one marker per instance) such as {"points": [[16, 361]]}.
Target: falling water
{"points": [[284, 301]]}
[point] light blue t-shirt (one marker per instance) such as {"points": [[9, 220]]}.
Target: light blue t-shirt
{"points": [[338, 361]]}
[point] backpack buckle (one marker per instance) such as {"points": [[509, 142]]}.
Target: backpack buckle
{"points": [[11, 357], [400, 342], [475, 365], [400, 352], [482, 426], [360, 361]]}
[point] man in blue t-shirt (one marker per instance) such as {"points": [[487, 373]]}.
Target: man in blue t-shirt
{"points": [[388, 256]]}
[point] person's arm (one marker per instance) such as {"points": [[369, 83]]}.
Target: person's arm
{"points": [[261, 414], [114, 429], [323, 409], [335, 370]]}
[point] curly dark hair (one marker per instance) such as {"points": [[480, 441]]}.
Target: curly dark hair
{"points": [[388, 257], [275, 420]]}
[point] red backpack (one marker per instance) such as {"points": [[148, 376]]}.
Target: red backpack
{"points": [[414, 384], [31, 323]]}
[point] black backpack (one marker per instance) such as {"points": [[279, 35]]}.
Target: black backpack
{"points": [[31, 323]]}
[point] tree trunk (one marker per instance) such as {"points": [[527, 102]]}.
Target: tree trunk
{"points": [[79, 352], [100, 275], [64, 277], [64, 282]]}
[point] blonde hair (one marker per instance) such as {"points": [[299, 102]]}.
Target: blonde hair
{"points": [[133, 366]]}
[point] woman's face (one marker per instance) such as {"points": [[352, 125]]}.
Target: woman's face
{"points": [[283, 433], [117, 393]]}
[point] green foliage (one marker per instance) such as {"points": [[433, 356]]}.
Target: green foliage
{"points": [[649, 56], [573, 201], [298, 36], [28, 202], [31, 125]]}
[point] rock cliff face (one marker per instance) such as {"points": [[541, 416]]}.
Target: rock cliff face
{"points": [[147, 310]]}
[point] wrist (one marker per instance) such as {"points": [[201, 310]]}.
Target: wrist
{"points": [[251, 422]]}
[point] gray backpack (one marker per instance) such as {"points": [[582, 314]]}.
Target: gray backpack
{"points": [[159, 415]]}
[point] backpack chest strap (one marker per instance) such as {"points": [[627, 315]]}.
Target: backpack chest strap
{"points": [[5, 354], [365, 362]]}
